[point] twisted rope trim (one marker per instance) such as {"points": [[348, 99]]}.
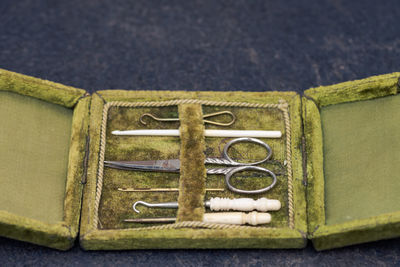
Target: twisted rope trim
{"points": [[194, 224], [282, 106]]}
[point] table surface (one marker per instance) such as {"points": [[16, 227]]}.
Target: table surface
{"points": [[202, 45]]}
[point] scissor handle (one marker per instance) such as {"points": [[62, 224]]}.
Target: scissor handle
{"points": [[246, 139], [244, 168]]}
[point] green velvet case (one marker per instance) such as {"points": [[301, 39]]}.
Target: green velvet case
{"points": [[42, 139], [352, 136], [336, 165]]}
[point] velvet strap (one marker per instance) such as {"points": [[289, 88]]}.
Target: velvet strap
{"points": [[193, 172]]}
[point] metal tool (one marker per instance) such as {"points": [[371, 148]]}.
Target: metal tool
{"points": [[218, 204], [207, 133], [164, 189], [173, 165], [226, 112], [253, 218]]}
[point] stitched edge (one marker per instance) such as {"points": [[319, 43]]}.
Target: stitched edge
{"points": [[282, 106]]}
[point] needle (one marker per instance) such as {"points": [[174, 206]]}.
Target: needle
{"points": [[209, 133], [163, 189]]}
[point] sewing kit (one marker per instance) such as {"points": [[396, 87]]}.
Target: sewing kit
{"points": [[174, 169]]}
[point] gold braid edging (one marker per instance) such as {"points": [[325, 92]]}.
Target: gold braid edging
{"points": [[282, 106]]}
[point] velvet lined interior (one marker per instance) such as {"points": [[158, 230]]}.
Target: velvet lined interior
{"points": [[34, 140], [115, 206], [254, 119], [112, 233], [362, 158]]}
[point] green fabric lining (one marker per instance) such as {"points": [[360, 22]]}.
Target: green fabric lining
{"points": [[362, 158], [112, 233], [42, 159], [192, 170], [34, 137], [115, 206]]}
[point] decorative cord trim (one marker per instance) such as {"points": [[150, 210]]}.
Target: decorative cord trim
{"points": [[195, 224], [282, 106]]}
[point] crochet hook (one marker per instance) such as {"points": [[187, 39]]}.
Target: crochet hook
{"points": [[208, 133], [220, 204], [239, 218]]}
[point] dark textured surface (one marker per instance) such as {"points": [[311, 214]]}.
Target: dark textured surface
{"points": [[204, 45]]}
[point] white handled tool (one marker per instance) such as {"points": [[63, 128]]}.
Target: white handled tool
{"points": [[208, 133], [220, 204], [243, 204], [253, 218]]}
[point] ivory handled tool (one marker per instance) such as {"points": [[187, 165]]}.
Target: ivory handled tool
{"points": [[163, 189], [239, 218], [221, 204], [242, 204], [208, 133]]}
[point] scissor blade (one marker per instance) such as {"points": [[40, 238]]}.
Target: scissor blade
{"points": [[169, 165]]}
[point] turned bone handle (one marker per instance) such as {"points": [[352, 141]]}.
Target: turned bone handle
{"points": [[243, 204], [253, 218]]}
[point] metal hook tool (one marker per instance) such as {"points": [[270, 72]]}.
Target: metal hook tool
{"points": [[225, 112], [166, 205], [218, 204]]}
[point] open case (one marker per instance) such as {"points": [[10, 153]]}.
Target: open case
{"points": [[336, 165]]}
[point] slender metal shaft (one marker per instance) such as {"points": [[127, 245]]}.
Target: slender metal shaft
{"points": [[219, 204], [164, 189], [166, 205], [151, 220], [207, 133], [238, 218]]}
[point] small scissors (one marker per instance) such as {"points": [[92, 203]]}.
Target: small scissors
{"points": [[173, 165]]}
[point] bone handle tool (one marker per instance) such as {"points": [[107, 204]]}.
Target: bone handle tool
{"points": [[207, 133], [222, 204], [243, 204], [239, 218], [253, 218]]}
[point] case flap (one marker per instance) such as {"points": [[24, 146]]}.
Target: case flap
{"points": [[352, 132], [43, 135]]}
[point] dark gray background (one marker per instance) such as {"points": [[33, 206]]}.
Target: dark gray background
{"points": [[200, 45]]}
